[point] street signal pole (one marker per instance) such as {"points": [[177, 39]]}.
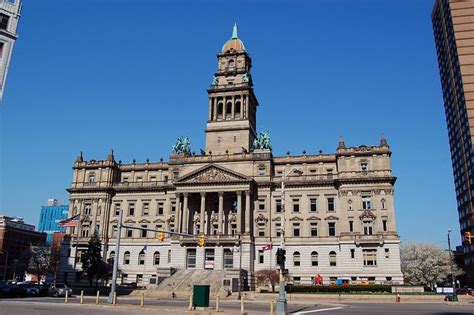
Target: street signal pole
{"points": [[116, 258]]}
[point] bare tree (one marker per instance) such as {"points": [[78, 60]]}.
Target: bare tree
{"points": [[265, 276], [40, 261], [424, 264]]}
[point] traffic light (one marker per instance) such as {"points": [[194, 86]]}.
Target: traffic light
{"points": [[202, 240], [467, 235], [280, 256], [161, 236]]}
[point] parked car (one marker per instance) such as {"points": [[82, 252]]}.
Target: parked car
{"points": [[59, 290], [464, 291], [44, 288], [28, 289], [4, 289]]}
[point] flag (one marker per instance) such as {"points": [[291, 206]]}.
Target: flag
{"points": [[70, 222], [267, 247]]}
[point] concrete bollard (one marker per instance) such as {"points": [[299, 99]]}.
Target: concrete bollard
{"points": [[190, 302], [66, 297], [142, 300], [217, 303], [115, 298], [272, 310], [82, 297], [97, 298], [242, 309]]}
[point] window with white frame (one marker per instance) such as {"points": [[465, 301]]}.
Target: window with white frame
{"points": [[141, 258], [87, 208], [331, 206], [313, 226], [313, 205], [156, 258], [332, 228], [368, 227], [85, 231], [146, 208], [161, 208], [173, 206], [278, 205], [314, 259], [131, 209], [144, 232], [332, 259], [129, 233], [261, 257], [278, 229], [296, 205], [296, 259], [126, 258], [261, 229], [366, 202], [261, 204], [117, 209], [370, 257], [296, 229]]}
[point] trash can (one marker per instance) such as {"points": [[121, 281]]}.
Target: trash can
{"points": [[201, 295]]}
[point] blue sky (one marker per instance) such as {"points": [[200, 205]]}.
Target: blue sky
{"points": [[132, 76]]}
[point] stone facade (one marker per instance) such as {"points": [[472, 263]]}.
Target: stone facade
{"points": [[339, 210], [10, 11]]}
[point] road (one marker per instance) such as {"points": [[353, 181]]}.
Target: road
{"points": [[47, 306]]}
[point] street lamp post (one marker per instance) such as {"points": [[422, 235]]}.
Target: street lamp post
{"points": [[117, 249], [453, 281], [282, 306]]}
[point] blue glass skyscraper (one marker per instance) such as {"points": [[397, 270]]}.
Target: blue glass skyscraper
{"points": [[50, 216]]}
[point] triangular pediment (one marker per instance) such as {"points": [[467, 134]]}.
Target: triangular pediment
{"points": [[144, 221], [367, 214], [296, 219], [313, 218], [159, 221], [212, 173], [331, 217], [129, 221]]}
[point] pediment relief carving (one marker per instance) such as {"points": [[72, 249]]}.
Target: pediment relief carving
{"points": [[212, 173], [159, 221], [85, 219], [367, 214], [261, 219], [331, 217], [313, 218], [277, 219], [296, 219], [114, 221], [144, 221], [129, 221]]}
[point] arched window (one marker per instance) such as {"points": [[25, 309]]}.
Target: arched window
{"points": [[314, 258], [296, 258], [126, 258], [141, 258], [231, 64], [220, 110], [237, 109], [332, 258], [111, 256], [382, 203], [228, 109], [156, 258]]}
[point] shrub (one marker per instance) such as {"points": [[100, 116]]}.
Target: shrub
{"points": [[339, 289]]}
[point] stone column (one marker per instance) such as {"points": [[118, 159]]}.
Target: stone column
{"points": [[203, 210], [221, 212], [177, 217], [210, 108], [247, 212], [233, 107], [239, 212], [185, 214]]}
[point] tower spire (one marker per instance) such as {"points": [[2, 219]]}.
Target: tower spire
{"points": [[234, 31]]}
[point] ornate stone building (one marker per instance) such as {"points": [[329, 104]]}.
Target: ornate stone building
{"points": [[339, 208]]}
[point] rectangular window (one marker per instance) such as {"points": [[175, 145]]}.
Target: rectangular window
{"points": [[261, 257], [146, 208], [387, 253], [175, 175], [261, 229], [296, 229], [153, 178], [296, 280], [114, 230], [171, 226], [125, 179], [161, 207], [4, 21], [366, 203], [278, 205], [296, 205], [173, 206], [314, 229], [139, 179], [368, 227], [330, 204], [131, 209], [261, 204], [384, 224], [332, 228], [370, 257], [313, 205], [88, 208], [261, 171], [144, 232], [351, 226], [278, 229], [352, 253], [129, 233]]}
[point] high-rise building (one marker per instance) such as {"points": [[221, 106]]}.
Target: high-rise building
{"points": [[10, 11], [453, 25], [336, 213], [16, 237], [50, 216]]}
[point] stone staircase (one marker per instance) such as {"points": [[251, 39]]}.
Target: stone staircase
{"points": [[182, 282]]}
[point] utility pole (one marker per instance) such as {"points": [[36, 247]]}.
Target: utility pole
{"points": [[282, 305], [116, 259], [453, 281]]}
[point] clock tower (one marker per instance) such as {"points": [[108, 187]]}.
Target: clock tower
{"points": [[232, 103]]}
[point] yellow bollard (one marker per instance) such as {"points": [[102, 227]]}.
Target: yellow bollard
{"points": [[242, 310], [115, 298], [142, 300], [190, 302], [66, 297], [271, 308], [217, 303], [82, 297], [97, 298]]}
